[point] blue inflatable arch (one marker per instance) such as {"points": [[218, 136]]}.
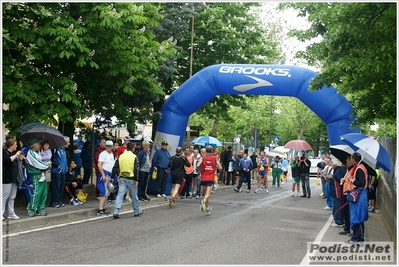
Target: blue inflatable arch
{"points": [[276, 80]]}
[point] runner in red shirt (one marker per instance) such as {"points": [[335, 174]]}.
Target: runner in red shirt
{"points": [[209, 165]]}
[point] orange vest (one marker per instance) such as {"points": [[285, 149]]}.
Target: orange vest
{"points": [[191, 168], [347, 183]]}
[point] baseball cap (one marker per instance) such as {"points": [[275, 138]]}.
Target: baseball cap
{"points": [[164, 143], [127, 138], [34, 141], [109, 143]]}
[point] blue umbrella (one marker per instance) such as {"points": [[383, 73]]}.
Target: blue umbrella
{"points": [[206, 141], [369, 148]]}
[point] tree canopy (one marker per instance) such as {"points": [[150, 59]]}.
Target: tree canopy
{"points": [[356, 54], [75, 59]]}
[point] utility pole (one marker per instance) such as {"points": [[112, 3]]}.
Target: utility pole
{"points": [[270, 129], [191, 73]]}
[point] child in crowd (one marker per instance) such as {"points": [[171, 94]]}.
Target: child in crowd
{"points": [[46, 154]]}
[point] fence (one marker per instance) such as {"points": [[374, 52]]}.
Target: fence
{"points": [[387, 191]]}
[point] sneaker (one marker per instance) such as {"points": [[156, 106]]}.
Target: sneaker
{"points": [[248, 191], [80, 202], [42, 178], [116, 216], [292, 194], [42, 213], [163, 195], [369, 208], [236, 189], [102, 212], [56, 205], [354, 243], [213, 192], [256, 191], [171, 202], [321, 194], [31, 214], [267, 191], [159, 196], [197, 196], [372, 210], [14, 217], [138, 214], [326, 208], [202, 206], [282, 183], [61, 204], [128, 199], [337, 225], [208, 210]]}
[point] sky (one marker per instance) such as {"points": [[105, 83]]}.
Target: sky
{"points": [[289, 20]]}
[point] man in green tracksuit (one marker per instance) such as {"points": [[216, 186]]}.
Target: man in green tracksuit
{"points": [[277, 170], [35, 167]]}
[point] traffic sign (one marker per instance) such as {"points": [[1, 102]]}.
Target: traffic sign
{"points": [[276, 138]]}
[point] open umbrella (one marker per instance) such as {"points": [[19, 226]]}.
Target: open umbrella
{"points": [[342, 152], [52, 135], [30, 125], [298, 145], [275, 152], [282, 149], [369, 148], [206, 141]]}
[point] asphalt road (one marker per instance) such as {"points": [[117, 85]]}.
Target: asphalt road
{"points": [[243, 228]]}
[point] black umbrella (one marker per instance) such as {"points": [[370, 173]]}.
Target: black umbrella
{"points": [[50, 134], [341, 152], [24, 128]]}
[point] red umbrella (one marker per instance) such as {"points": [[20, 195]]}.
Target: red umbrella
{"points": [[298, 145]]}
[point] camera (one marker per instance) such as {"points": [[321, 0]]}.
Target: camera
{"points": [[302, 157]]}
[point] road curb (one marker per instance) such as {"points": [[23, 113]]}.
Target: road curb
{"points": [[30, 223]]}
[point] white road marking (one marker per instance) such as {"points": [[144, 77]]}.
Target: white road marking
{"points": [[74, 222], [319, 237]]}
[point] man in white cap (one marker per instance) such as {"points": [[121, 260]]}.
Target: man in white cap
{"points": [[106, 162]]}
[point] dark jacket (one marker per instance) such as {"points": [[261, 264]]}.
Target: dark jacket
{"points": [[303, 168], [87, 158], [10, 168], [237, 163], [335, 186], [295, 169], [161, 158], [177, 163], [141, 156]]}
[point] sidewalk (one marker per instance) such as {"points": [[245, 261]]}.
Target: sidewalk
{"points": [[374, 230]]}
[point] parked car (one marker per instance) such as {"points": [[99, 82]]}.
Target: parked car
{"points": [[313, 167]]}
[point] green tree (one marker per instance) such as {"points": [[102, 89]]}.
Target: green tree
{"points": [[174, 25], [357, 53], [75, 59], [225, 33]]}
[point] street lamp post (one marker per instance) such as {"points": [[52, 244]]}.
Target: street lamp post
{"points": [[271, 112]]}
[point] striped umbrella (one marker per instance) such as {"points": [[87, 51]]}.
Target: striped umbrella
{"points": [[369, 148]]}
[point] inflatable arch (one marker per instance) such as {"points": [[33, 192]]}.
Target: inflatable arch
{"points": [[277, 80]]}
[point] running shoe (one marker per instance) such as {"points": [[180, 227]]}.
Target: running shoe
{"points": [[202, 206], [208, 210]]}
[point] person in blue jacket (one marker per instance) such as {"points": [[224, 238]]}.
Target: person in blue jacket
{"points": [[59, 168], [160, 162]]}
